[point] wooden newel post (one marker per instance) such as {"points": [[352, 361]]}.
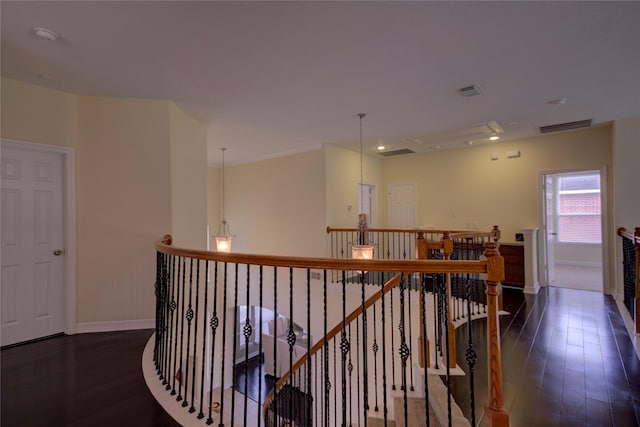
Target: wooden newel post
{"points": [[495, 414], [422, 253], [447, 250]]}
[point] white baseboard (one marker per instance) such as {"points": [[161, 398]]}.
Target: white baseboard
{"points": [[115, 325], [579, 263]]}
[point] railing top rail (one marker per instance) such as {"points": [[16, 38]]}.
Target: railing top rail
{"points": [[418, 266], [396, 230], [633, 236]]}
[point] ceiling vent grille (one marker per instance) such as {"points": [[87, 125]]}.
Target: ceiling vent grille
{"points": [[396, 152], [566, 126], [471, 90]]}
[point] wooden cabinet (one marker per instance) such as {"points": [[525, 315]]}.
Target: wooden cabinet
{"points": [[513, 264]]}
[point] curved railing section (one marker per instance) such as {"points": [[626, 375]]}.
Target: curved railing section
{"points": [[264, 340]]}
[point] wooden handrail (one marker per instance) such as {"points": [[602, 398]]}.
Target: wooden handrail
{"points": [[397, 230], [634, 237], [392, 283], [417, 266]]}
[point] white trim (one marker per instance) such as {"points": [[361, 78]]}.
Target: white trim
{"points": [[579, 263], [69, 234], [115, 325]]}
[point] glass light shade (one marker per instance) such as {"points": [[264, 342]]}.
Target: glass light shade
{"points": [[223, 244], [362, 251]]}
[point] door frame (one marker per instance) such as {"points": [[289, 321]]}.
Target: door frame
{"points": [[604, 224], [69, 221]]}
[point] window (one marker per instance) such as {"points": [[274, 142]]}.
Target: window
{"points": [[579, 208]]}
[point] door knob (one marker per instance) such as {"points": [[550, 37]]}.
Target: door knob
{"points": [[57, 252]]}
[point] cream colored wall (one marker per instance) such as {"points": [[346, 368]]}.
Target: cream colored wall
{"points": [[459, 188], [124, 187], [123, 205], [276, 206], [213, 203], [188, 142], [626, 152], [35, 114], [342, 169]]}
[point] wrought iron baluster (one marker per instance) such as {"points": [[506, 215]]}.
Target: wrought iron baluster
{"points": [[247, 331], [436, 318], [213, 323], [308, 398], [204, 336], [358, 365], [344, 349], [291, 339], [384, 356], [234, 386], [224, 343], [335, 385], [325, 359], [375, 348], [425, 348], [393, 350], [192, 409], [445, 309], [350, 369], [276, 400], [403, 350], [177, 316], [189, 317], [365, 364], [471, 358], [410, 281], [260, 355]]}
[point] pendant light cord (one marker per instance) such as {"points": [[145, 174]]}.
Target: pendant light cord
{"points": [[361, 115], [223, 220]]}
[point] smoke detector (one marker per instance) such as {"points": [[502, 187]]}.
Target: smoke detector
{"points": [[45, 33]]}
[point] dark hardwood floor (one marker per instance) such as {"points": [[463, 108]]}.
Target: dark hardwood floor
{"points": [[79, 380], [567, 361]]}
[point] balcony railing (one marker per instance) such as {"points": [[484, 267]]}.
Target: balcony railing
{"points": [[631, 278], [262, 340]]}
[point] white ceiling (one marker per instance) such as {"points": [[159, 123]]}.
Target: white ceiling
{"points": [[270, 78]]}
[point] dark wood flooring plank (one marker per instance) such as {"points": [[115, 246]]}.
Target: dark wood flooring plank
{"points": [[79, 380]]}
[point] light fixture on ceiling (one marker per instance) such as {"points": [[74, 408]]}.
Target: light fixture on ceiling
{"points": [[381, 147], [224, 237], [470, 142], [364, 249], [45, 33], [494, 138]]}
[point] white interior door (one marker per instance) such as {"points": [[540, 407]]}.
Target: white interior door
{"points": [[32, 237], [402, 205], [367, 203], [548, 229]]}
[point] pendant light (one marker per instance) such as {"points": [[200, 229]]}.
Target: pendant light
{"points": [[363, 250], [224, 237]]}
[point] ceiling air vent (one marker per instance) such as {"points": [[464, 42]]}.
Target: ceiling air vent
{"points": [[396, 152], [471, 90], [566, 126]]}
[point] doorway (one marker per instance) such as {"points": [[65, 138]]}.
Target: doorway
{"points": [[572, 230], [367, 202], [38, 242], [402, 205]]}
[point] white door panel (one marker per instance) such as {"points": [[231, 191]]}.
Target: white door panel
{"points": [[402, 205], [32, 229]]}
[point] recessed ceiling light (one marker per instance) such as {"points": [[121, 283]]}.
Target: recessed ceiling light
{"points": [[513, 123], [494, 138], [381, 147], [558, 101], [45, 33], [469, 142]]}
